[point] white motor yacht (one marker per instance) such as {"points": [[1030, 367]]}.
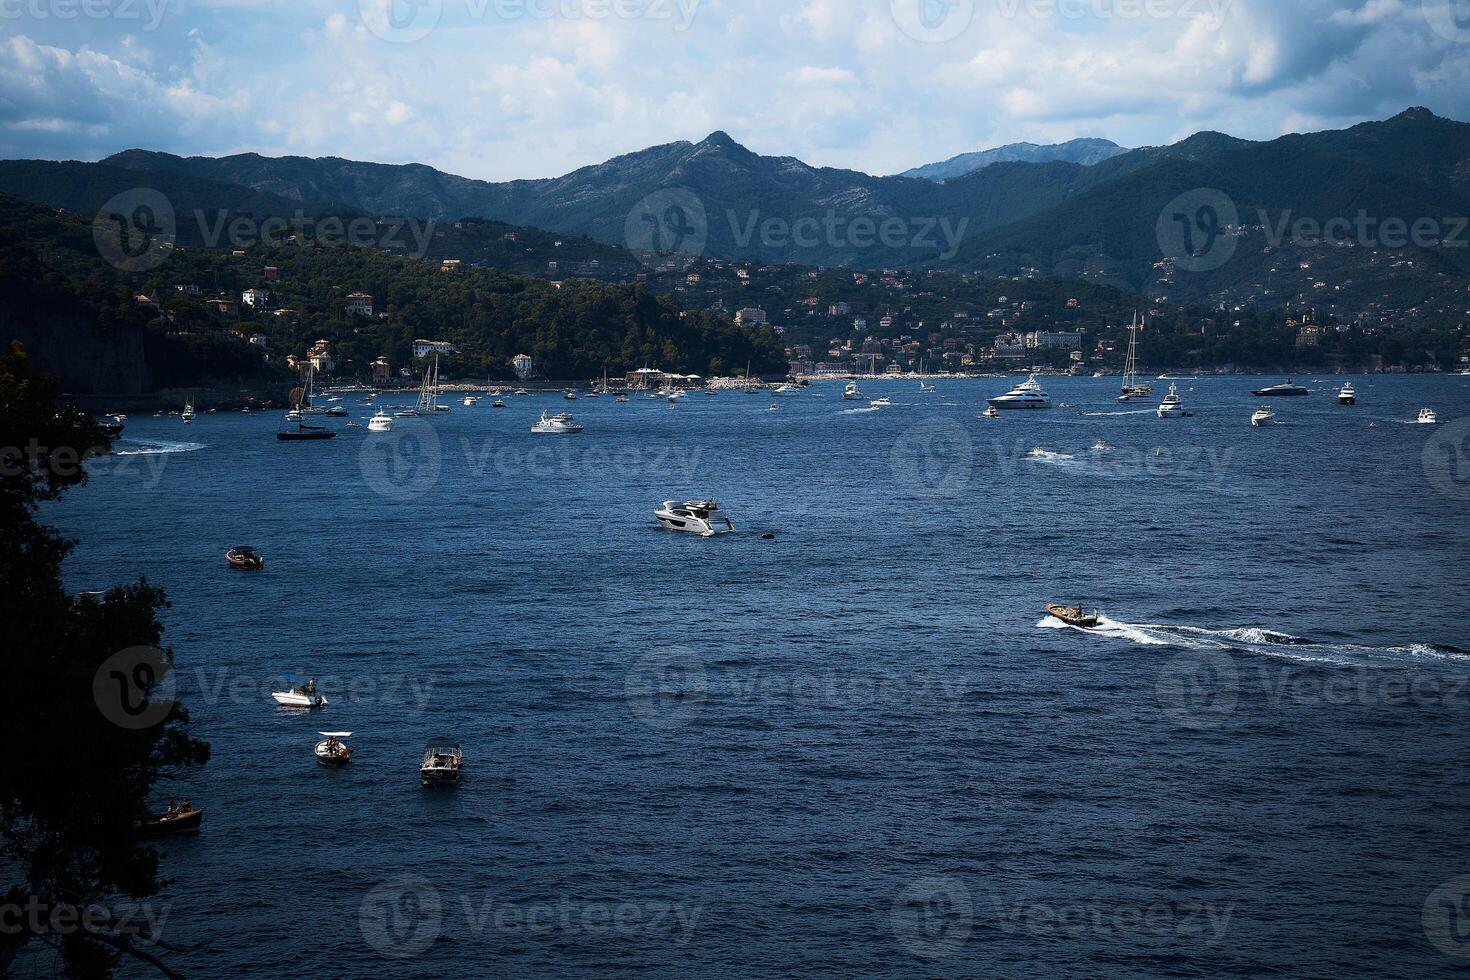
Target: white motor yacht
{"points": [[881, 403], [557, 425], [1172, 407], [851, 392], [1263, 416], [382, 422], [1027, 394], [787, 389], [1347, 394], [1427, 416], [187, 415], [470, 401], [702, 517]]}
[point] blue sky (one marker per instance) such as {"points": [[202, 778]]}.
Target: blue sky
{"points": [[502, 89]]}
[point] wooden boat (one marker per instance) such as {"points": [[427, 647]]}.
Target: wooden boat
{"points": [[442, 766], [1073, 616], [165, 826], [245, 559]]}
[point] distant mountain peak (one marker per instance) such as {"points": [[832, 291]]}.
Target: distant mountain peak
{"points": [[1085, 151], [1416, 113]]}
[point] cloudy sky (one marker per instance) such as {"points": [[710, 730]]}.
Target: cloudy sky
{"points": [[502, 89]]}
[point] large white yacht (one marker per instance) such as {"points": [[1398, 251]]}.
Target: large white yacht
{"points": [[851, 392], [1263, 416], [702, 517], [1347, 394], [1172, 407], [1027, 394], [382, 422], [557, 425]]}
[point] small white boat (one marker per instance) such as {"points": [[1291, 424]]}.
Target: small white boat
{"points": [[498, 403], [570, 396], [1172, 407], [1101, 446], [333, 751], [787, 389], [557, 425], [441, 766], [881, 403], [677, 395], [851, 392], [299, 694], [1427, 416], [187, 415], [991, 413], [382, 422], [1027, 394], [926, 388], [1263, 416], [702, 517], [470, 401]]}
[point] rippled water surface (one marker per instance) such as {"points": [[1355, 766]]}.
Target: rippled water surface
{"points": [[857, 749]]}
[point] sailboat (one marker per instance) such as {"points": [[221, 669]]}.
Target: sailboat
{"points": [[750, 387], [924, 386], [1131, 387]]}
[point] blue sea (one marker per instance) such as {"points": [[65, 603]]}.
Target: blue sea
{"points": [[859, 748]]}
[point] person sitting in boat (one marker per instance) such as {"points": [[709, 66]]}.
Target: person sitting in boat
{"points": [[185, 807], [171, 812]]}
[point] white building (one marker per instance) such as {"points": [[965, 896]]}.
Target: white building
{"points": [[256, 299], [359, 304], [523, 365], [1051, 338], [423, 348], [751, 317]]}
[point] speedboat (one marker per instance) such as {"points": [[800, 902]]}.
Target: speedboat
{"points": [[382, 422], [1427, 417], [306, 433], [1347, 395], [702, 517], [851, 392], [407, 413], [1287, 390], [1263, 416], [621, 399], [187, 415], [333, 751], [499, 403], [1027, 394], [1073, 615], [471, 401], [441, 766], [1101, 446], [677, 395], [298, 693], [991, 413], [1172, 407], [244, 558], [788, 389], [557, 425], [881, 403], [570, 396], [336, 412]]}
